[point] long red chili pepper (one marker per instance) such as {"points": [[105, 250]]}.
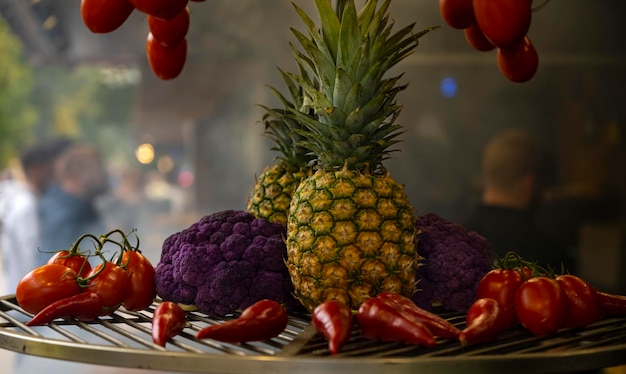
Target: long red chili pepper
{"points": [[485, 321], [612, 305], [262, 320], [436, 324], [84, 306], [380, 318], [333, 319], [169, 320]]}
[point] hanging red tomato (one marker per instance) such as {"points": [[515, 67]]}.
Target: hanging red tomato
{"points": [[519, 62], [476, 39], [504, 22], [170, 32], [457, 13], [166, 62], [104, 16]]}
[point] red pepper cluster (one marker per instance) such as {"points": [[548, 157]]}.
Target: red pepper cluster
{"points": [[392, 317], [543, 304], [521, 292], [68, 287], [501, 24], [168, 22], [262, 320], [387, 317]]}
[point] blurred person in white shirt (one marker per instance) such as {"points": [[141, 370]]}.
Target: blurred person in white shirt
{"points": [[19, 220]]}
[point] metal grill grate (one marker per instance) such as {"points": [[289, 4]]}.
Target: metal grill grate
{"points": [[124, 339]]}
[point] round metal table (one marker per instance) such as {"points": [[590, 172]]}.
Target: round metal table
{"points": [[124, 340]]}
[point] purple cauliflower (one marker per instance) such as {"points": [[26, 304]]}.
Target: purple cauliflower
{"points": [[225, 262], [454, 261]]}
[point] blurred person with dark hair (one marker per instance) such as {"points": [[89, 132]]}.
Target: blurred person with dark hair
{"points": [[19, 222], [513, 178], [68, 208]]}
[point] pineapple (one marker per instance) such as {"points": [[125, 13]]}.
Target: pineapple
{"points": [[351, 228], [273, 189]]}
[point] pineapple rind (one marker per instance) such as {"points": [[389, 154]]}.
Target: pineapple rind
{"points": [[272, 192], [350, 257]]}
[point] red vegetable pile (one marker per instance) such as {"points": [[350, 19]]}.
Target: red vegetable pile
{"points": [[516, 292], [68, 287], [519, 292], [168, 23], [501, 24]]}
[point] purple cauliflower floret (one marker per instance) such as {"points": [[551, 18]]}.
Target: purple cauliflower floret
{"points": [[224, 263], [454, 261]]}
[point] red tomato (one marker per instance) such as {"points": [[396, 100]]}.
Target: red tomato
{"points": [[457, 13], [152, 7], [166, 62], [109, 281], [165, 9], [173, 9], [582, 305], [170, 32], [504, 22], [141, 287], [520, 62], [476, 39], [501, 285], [44, 285], [103, 16], [540, 305], [75, 261]]}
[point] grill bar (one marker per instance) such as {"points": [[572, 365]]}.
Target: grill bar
{"points": [[124, 339]]}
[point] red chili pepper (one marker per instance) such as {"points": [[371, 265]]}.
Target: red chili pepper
{"points": [[84, 306], [262, 320], [436, 324], [380, 318], [169, 320], [485, 321], [333, 319], [612, 305]]}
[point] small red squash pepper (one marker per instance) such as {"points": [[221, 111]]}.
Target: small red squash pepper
{"points": [[485, 321], [436, 324], [84, 306], [333, 319], [262, 320], [612, 305], [380, 318], [169, 320]]}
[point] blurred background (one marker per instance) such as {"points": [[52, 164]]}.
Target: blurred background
{"points": [[177, 150], [192, 146]]}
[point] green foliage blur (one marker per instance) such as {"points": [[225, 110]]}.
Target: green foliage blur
{"points": [[45, 101], [17, 114]]}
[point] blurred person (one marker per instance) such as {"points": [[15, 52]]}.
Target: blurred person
{"points": [[513, 178], [67, 210], [19, 221]]}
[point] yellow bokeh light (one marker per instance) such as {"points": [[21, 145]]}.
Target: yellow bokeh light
{"points": [[145, 153]]}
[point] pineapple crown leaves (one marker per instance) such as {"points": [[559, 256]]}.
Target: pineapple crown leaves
{"points": [[354, 105], [281, 125]]}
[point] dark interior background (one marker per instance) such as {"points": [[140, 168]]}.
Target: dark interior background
{"points": [[207, 118]]}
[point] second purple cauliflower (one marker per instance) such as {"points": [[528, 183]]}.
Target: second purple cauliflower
{"points": [[225, 262], [454, 261]]}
